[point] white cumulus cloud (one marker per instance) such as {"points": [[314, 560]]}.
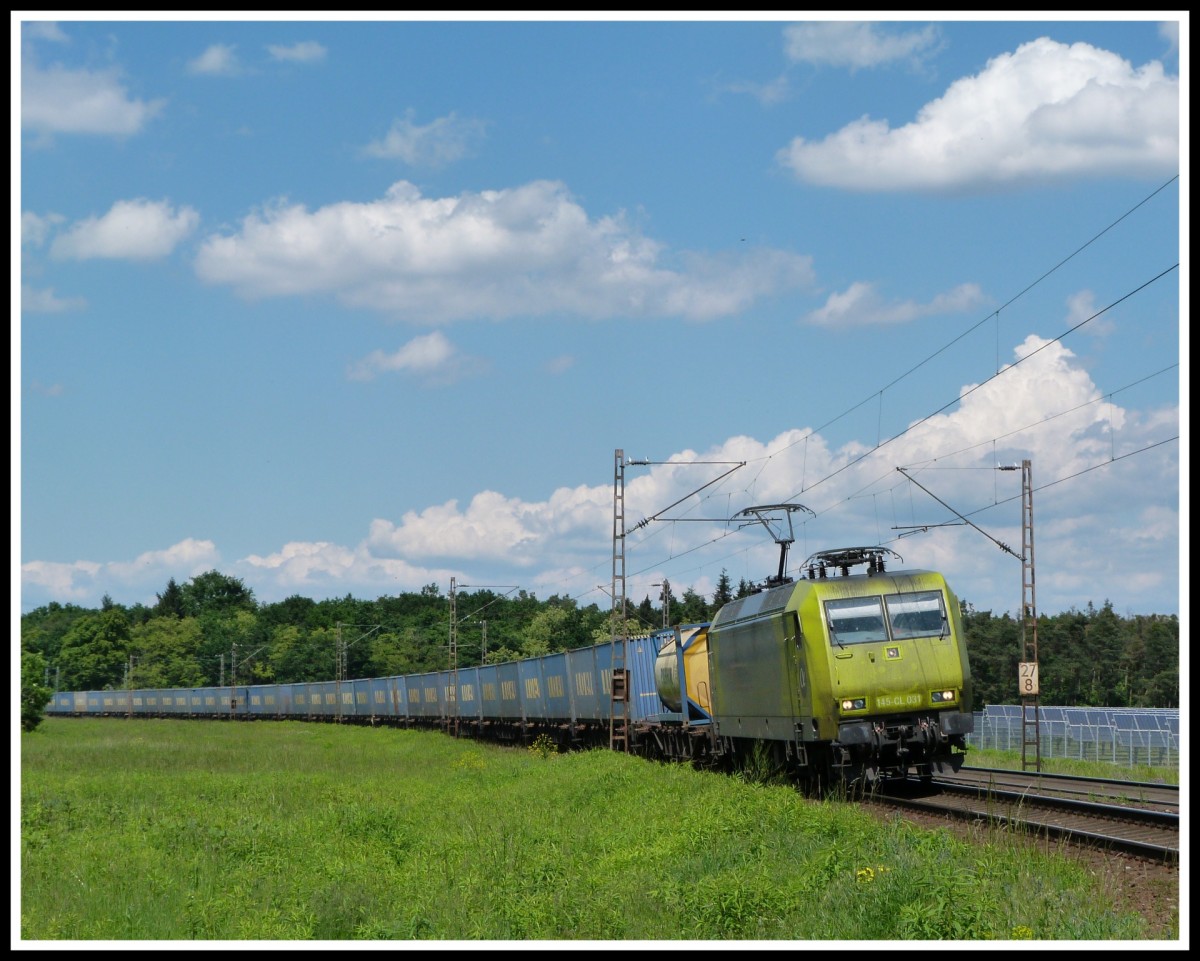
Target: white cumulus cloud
{"points": [[132, 229], [35, 229], [218, 60], [46, 301], [1047, 111], [308, 51], [856, 44], [298, 562], [65, 581], [59, 100], [147, 574], [189, 554], [431, 356], [1081, 307], [321, 566], [44, 30], [528, 250], [498, 528], [860, 305], [1169, 31], [436, 144]]}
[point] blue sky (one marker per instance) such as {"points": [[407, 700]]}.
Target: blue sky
{"points": [[345, 307]]}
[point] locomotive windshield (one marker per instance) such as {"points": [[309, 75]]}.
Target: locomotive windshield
{"points": [[855, 620], [916, 615], [860, 620]]}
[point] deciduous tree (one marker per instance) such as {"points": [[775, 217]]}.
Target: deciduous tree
{"points": [[94, 651], [35, 694]]}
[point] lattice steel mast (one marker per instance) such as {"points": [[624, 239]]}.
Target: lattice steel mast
{"points": [[1030, 694], [452, 693], [618, 718]]}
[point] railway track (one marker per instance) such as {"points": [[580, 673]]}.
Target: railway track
{"points": [[1136, 819], [1137, 794]]}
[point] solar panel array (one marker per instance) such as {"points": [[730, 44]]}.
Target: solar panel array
{"points": [[1155, 731]]}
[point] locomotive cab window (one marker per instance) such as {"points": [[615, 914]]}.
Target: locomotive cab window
{"points": [[919, 614], [855, 620]]}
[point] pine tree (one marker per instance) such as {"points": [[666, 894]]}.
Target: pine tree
{"points": [[170, 601], [724, 592]]}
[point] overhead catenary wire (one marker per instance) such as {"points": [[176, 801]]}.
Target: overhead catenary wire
{"points": [[958, 399], [766, 458], [1001, 372], [928, 464], [964, 394], [1008, 303]]}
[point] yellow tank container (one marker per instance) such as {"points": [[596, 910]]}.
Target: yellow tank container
{"points": [[693, 640]]}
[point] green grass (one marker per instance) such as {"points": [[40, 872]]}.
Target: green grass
{"points": [[187, 830], [1011, 760]]}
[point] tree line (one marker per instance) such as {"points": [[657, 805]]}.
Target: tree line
{"points": [[212, 631], [1088, 658]]}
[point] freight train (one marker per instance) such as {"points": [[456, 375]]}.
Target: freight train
{"points": [[840, 675]]}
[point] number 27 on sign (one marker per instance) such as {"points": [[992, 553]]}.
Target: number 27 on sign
{"points": [[1028, 677]]}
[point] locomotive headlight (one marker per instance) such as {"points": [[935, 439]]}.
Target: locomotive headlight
{"points": [[941, 697], [854, 704]]}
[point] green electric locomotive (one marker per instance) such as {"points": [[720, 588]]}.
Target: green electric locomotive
{"points": [[842, 674]]}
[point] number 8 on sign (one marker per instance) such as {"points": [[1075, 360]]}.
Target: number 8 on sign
{"points": [[1028, 678]]}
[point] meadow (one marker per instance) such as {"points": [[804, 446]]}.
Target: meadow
{"points": [[1011, 760], [148, 830]]}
